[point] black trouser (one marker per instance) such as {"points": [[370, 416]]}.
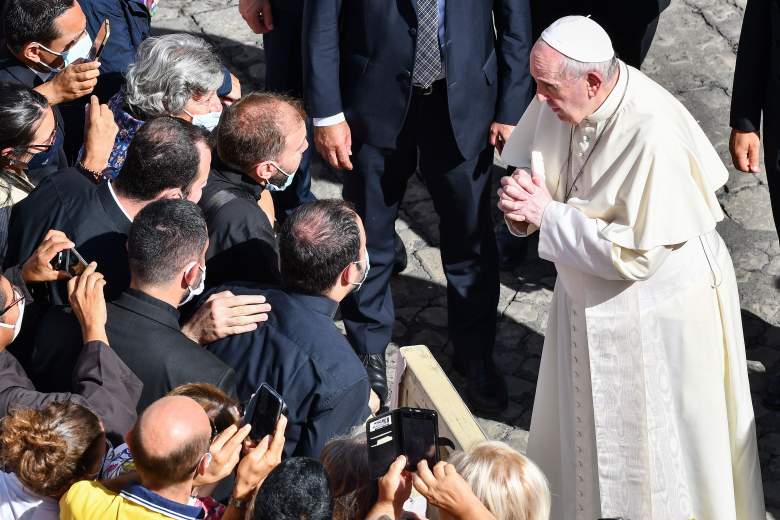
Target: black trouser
{"points": [[460, 191], [284, 74], [772, 164]]}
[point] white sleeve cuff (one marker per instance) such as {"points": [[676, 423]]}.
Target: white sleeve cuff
{"points": [[330, 120], [569, 237]]}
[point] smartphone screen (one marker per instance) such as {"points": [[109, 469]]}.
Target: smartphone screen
{"points": [[100, 40], [420, 430], [263, 411], [76, 263], [69, 261]]}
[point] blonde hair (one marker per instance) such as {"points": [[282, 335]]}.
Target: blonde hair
{"points": [[508, 484]]}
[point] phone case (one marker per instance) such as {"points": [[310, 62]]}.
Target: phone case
{"points": [[384, 442], [385, 439], [251, 408]]}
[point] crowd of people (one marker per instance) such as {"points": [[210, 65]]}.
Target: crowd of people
{"points": [[163, 257]]}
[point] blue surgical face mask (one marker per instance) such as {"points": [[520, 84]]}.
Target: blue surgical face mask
{"points": [[365, 272], [78, 50], [287, 181], [208, 121]]}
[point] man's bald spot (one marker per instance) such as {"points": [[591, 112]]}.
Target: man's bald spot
{"points": [[170, 423]]}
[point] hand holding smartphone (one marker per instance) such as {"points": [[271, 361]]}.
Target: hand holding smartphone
{"points": [[101, 38], [263, 411], [69, 261], [413, 432]]}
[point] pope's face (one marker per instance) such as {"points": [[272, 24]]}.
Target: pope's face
{"points": [[566, 96]]}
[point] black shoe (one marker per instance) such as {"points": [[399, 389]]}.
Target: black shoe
{"points": [[377, 374], [400, 260], [486, 390]]}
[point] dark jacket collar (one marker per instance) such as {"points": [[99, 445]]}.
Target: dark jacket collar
{"points": [[236, 178], [316, 303], [16, 69], [138, 494], [112, 209], [149, 307]]}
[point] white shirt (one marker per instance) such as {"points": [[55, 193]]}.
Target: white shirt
{"points": [[17, 503], [111, 190]]}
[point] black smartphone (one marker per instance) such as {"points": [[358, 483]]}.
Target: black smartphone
{"points": [[69, 261], [413, 432], [100, 40], [263, 412]]}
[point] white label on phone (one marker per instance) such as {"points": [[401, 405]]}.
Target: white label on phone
{"points": [[381, 423]]}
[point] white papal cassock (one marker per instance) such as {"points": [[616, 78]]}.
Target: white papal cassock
{"points": [[642, 406]]}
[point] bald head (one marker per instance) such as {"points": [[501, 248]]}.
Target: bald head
{"points": [[259, 127], [169, 439]]}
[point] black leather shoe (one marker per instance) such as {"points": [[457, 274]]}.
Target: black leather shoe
{"points": [[486, 390], [377, 374], [400, 260]]}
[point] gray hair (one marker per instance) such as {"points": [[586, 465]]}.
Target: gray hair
{"points": [[168, 71], [574, 69]]}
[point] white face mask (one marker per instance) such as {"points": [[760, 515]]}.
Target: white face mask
{"points": [[191, 293], [17, 327], [208, 121], [365, 272], [287, 181], [78, 50]]}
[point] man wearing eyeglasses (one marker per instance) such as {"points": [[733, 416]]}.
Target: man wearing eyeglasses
{"points": [[45, 47]]}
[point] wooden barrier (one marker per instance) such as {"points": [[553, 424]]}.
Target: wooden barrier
{"points": [[420, 382]]}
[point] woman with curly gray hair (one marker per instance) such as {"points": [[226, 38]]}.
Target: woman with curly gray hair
{"points": [[176, 75]]}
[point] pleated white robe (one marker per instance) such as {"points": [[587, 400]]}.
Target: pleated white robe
{"points": [[643, 406]]}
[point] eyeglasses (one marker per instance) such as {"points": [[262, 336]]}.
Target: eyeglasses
{"points": [[18, 297], [45, 147]]}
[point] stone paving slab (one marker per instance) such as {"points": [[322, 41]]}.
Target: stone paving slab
{"points": [[693, 56]]}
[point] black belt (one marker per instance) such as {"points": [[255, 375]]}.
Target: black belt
{"points": [[427, 91]]}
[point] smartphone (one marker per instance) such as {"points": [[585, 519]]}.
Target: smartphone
{"points": [[412, 432], [263, 412], [69, 261], [100, 41]]}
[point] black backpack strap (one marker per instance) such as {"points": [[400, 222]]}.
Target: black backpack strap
{"points": [[217, 201]]}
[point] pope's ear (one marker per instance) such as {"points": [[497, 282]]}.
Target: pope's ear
{"points": [[595, 81], [5, 152]]}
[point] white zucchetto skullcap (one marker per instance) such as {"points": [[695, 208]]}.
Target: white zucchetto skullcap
{"points": [[579, 38]]}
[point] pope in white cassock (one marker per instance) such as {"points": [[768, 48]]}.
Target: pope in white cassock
{"points": [[642, 407]]}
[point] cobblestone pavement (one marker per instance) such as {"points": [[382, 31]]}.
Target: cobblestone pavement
{"points": [[693, 56]]}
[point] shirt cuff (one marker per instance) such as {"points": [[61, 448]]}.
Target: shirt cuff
{"points": [[330, 120]]}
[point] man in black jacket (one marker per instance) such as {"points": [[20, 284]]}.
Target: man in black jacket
{"points": [[756, 93], [166, 249], [299, 351], [43, 47], [168, 158], [434, 83], [260, 141], [280, 23]]}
